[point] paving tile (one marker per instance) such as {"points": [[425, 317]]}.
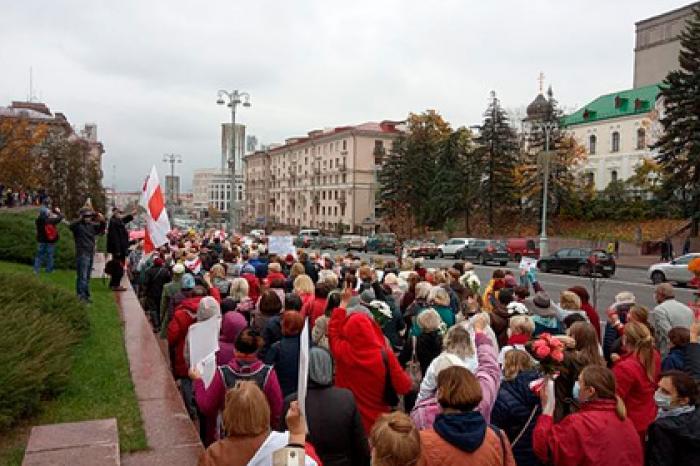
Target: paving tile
{"points": [[73, 434], [178, 456], [103, 455], [166, 423]]}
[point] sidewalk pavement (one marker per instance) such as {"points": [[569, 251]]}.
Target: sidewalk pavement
{"points": [[636, 262]]}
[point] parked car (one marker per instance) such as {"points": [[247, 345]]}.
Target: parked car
{"points": [[452, 247], [673, 271], [584, 261], [306, 237], [326, 242], [381, 243], [258, 234], [522, 247], [418, 248], [351, 242], [484, 251]]}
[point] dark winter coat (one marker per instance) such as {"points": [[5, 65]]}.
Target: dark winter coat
{"points": [[84, 233], [675, 359], [692, 360], [337, 434], [674, 440], [46, 218], [284, 356], [272, 333], [117, 236], [156, 279], [395, 325], [428, 347], [513, 408]]}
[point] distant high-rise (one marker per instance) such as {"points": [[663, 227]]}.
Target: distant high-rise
{"points": [[657, 45], [227, 149]]}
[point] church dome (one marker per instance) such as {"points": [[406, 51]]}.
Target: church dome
{"points": [[539, 108]]}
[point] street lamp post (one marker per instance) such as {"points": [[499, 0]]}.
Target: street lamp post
{"points": [[234, 98], [172, 159], [547, 127]]}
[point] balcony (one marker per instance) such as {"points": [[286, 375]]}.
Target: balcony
{"points": [[342, 201], [342, 167]]}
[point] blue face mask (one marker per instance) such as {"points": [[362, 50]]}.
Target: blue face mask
{"points": [[662, 400], [576, 391]]}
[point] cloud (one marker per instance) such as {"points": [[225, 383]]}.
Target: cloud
{"points": [[147, 72]]}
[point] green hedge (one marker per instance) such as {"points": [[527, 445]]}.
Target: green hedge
{"points": [[40, 324], [18, 240]]}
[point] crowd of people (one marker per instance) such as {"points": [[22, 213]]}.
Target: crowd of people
{"points": [[416, 366], [21, 197]]}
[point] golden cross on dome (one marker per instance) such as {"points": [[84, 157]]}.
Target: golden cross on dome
{"points": [[540, 78]]}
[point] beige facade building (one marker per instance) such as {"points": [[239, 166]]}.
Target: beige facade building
{"points": [[325, 180], [657, 45]]}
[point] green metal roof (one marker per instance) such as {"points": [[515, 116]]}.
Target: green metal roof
{"points": [[615, 105]]}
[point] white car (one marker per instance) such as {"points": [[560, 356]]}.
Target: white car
{"points": [[452, 247], [674, 271]]}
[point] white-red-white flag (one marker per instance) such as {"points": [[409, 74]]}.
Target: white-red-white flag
{"points": [[157, 223]]}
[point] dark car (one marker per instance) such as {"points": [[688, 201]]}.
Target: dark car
{"points": [[484, 251], [418, 248], [382, 243], [326, 242], [584, 261]]}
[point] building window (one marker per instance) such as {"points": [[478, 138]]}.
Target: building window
{"points": [[590, 179], [345, 144], [615, 142], [641, 139], [335, 211], [591, 144], [613, 176]]}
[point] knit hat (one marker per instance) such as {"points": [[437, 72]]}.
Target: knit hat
{"points": [[208, 307], [247, 268], [178, 269], [289, 259], [541, 305], [187, 281], [320, 366]]}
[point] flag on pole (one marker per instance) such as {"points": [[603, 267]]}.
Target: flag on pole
{"points": [[157, 223]]}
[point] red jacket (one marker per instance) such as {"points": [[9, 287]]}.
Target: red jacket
{"points": [[253, 286], [636, 390], [315, 309], [184, 316], [356, 343], [272, 276], [593, 436]]}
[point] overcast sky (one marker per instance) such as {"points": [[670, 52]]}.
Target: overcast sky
{"points": [[147, 71]]}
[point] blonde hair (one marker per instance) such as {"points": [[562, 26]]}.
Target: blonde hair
{"points": [[217, 271], [239, 289], [522, 325], [458, 342], [329, 278], [514, 362], [570, 301], [246, 411], [441, 277], [303, 284], [296, 270], [639, 340], [274, 267], [438, 295], [429, 320], [395, 441], [423, 290]]}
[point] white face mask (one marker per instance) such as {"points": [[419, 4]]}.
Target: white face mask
{"points": [[662, 400]]}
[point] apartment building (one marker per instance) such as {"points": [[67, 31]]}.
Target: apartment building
{"points": [[325, 180]]}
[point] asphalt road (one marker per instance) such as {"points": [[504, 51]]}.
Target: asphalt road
{"points": [[625, 279]]}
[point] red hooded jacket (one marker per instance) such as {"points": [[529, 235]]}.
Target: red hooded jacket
{"points": [[253, 286], [356, 343], [636, 390], [593, 436], [184, 316]]}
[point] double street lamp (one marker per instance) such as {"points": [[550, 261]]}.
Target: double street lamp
{"points": [[547, 126], [232, 99]]}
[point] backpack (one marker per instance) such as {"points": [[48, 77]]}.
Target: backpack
{"points": [[51, 232], [229, 377]]}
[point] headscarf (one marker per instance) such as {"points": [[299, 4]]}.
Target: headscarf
{"points": [[208, 307], [320, 366]]}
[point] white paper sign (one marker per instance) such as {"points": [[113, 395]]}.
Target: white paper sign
{"points": [[303, 367], [281, 245], [203, 343], [528, 263]]}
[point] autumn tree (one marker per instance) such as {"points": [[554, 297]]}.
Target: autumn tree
{"points": [[19, 140]]}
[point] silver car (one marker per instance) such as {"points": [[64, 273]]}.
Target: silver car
{"points": [[674, 271]]}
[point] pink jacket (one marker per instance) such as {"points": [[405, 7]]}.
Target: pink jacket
{"points": [[487, 373], [211, 400]]}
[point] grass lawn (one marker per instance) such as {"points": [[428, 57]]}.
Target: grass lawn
{"points": [[100, 385]]}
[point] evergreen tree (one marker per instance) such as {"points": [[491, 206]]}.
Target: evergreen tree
{"points": [[498, 153], [679, 146]]}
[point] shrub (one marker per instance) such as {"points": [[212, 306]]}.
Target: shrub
{"points": [[18, 240], [40, 325]]}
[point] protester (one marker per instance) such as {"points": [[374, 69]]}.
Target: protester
{"points": [[668, 314], [46, 235], [334, 423], [232, 324], [395, 441], [250, 440], [460, 434], [244, 366], [543, 315], [598, 434], [678, 338], [364, 364], [156, 279], [517, 407], [636, 375], [169, 291], [89, 225], [674, 437], [118, 245], [520, 330], [591, 312], [284, 354], [268, 306]]}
